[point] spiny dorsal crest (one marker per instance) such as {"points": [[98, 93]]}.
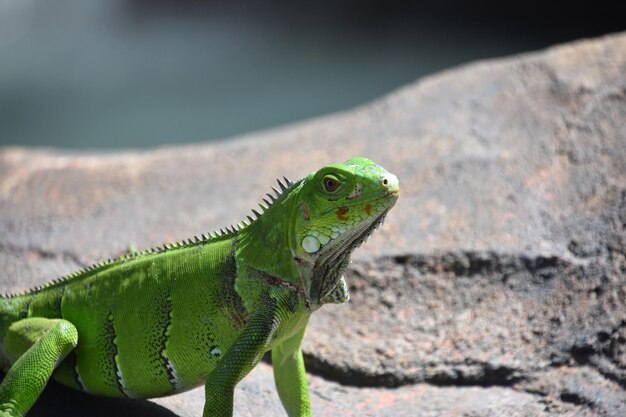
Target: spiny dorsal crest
{"points": [[284, 185]]}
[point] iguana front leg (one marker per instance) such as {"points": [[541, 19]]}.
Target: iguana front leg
{"points": [[290, 376], [242, 356], [34, 346]]}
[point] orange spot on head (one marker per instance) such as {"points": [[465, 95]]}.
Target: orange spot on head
{"points": [[341, 213], [305, 212], [368, 209]]}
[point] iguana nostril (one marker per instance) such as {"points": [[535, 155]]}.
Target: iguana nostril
{"points": [[385, 182]]}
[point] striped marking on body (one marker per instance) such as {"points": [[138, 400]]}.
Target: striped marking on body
{"points": [[120, 380], [172, 374], [79, 380], [72, 361], [110, 337]]}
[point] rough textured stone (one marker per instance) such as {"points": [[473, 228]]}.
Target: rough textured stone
{"points": [[497, 285], [583, 386], [256, 393]]}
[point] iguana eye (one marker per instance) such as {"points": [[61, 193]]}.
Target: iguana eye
{"points": [[330, 183]]}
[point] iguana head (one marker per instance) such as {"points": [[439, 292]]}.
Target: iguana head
{"points": [[339, 206]]}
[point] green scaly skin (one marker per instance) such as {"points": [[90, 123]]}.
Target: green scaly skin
{"points": [[166, 320]]}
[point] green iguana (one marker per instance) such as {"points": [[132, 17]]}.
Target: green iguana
{"points": [[165, 320]]}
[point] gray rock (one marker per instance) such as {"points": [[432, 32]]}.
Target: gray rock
{"points": [[581, 385], [496, 286], [256, 396]]}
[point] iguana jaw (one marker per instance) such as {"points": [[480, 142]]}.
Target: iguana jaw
{"points": [[332, 262]]}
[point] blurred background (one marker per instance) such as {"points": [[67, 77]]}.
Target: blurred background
{"points": [[141, 73]]}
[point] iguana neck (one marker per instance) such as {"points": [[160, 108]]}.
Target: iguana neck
{"points": [[266, 244]]}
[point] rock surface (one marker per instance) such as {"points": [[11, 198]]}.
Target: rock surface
{"points": [[497, 286]]}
